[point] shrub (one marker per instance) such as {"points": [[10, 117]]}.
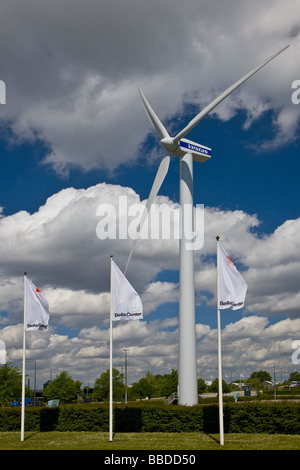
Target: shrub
{"points": [[252, 417]]}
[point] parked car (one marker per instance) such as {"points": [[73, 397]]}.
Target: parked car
{"points": [[28, 402]]}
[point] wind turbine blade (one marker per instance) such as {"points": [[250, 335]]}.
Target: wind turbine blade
{"points": [[158, 126], [221, 97], [158, 181]]}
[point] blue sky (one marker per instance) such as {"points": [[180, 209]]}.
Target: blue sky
{"points": [[74, 135]]}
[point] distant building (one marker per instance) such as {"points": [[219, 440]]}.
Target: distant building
{"points": [[268, 384]]}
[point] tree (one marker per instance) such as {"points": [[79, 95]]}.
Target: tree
{"points": [[163, 385], [142, 389], [261, 375], [201, 386], [170, 383], [63, 388], [10, 384], [101, 388], [215, 386], [148, 386], [295, 377], [155, 385]]}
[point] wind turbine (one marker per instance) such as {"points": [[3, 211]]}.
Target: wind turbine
{"points": [[187, 151]]}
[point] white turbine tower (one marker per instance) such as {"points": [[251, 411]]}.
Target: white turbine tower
{"points": [[187, 151]]}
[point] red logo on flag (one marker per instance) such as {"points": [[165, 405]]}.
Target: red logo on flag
{"points": [[230, 260]]}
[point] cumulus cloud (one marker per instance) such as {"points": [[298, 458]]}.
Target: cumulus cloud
{"points": [[71, 80], [250, 343], [60, 248]]}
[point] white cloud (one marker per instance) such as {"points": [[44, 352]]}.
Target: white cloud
{"points": [[249, 344], [78, 308], [59, 247], [58, 244], [158, 293], [71, 80]]}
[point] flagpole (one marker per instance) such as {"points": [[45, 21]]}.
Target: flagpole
{"points": [[111, 357], [23, 365], [221, 423]]}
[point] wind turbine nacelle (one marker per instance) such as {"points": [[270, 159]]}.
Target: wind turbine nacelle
{"points": [[200, 152]]}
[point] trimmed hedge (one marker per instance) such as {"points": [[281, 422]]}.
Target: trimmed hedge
{"points": [[276, 417], [272, 418]]}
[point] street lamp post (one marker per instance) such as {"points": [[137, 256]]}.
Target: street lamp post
{"points": [[34, 394], [125, 350], [51, 370]]}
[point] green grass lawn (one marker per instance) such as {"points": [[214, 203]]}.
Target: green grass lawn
{"points": [[145, 441]]}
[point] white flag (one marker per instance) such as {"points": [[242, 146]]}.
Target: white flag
{"points": [[232, 287], [126, 302], [36, 308]]}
